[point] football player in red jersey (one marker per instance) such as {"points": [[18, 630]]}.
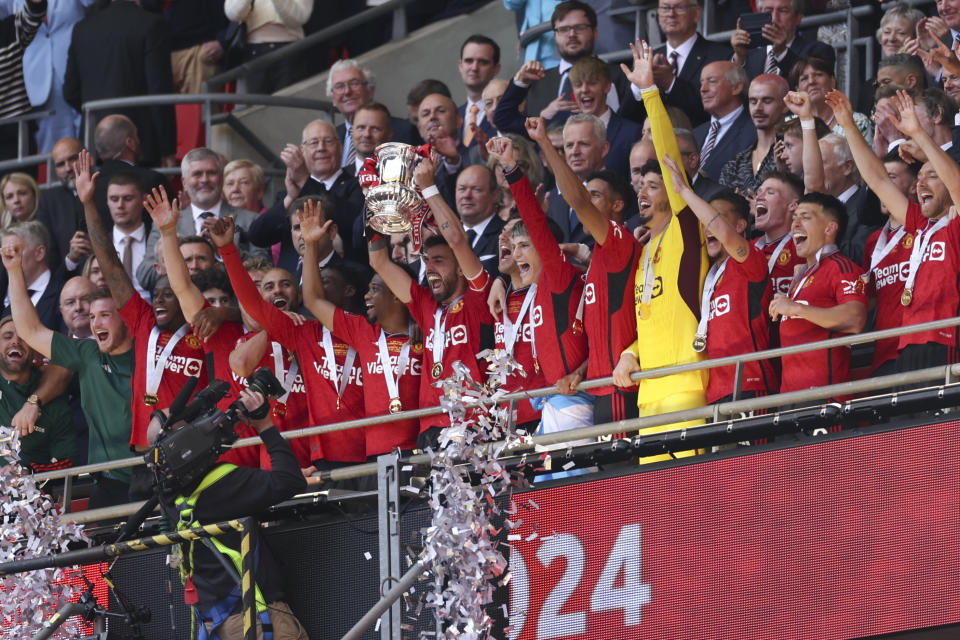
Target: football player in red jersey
{"points": [[825, 299], [776, 199]]}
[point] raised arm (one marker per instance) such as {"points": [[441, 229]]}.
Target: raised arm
{"points": [[576, 195], [798, 102], [947, 170], [868, 164], [246, 357], [450, 226], [733, 243], [119, 283], [313, 228], [393, 274], [164, 215], [664, 139], [25, 317]]}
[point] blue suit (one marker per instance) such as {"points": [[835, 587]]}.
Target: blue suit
{"points": [[44, 64]]}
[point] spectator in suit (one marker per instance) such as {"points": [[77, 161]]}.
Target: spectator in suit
{"points": [[313, 168], [477, 195], [60, 211], [491, 98], [124, 50], [590, 78], [678, 63], [117, 143], [43, 285], [548, 91], [786, 45], [125, 201], [745, 171], [936, 112], [729, 130], [702, 184], [203, 183], [421, 90], [349, 87], [479, 64], [438, 123], [44, 63], [371, 128], [585, 149]]}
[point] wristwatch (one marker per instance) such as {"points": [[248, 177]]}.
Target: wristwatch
{"points": [[34, 399]]}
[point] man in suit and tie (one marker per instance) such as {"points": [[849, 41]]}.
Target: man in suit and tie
{"points": [[313, 168], [476, 195], [371, 128], [585, 149], [203, 182], [61, 212], [729, 130], [479, 64], [349, 87], [702, 184], [43, 285], [785, 47], [678, 63]]}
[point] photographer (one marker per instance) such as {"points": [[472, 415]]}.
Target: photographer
{"points": [[223, 493]]}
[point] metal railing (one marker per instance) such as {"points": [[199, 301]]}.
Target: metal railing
{"points": [[23, 160], [239, 73], [715, 412]]}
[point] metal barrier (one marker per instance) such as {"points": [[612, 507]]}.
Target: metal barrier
{"points": [[23, 161], [239, 73]]}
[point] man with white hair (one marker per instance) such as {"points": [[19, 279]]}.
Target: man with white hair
{"points": [[349, 87], [729, 129], [43, 285], [203, 181]]}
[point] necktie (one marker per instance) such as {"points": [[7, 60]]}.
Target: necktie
{"points": [[471, 237], [471, 122], [674, 63], [566, 89], [771, 65], [349, 151], [203, 216], [128, 255], [710, 142], [30, 293]]}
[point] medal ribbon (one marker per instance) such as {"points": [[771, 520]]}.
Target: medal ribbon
{"points": [[389, 376], [824, 251], [713, 276], [286, 377], [920, 242], [340, 385], [156, 364], [772, 260], [439, 342], [881, 251], [649, 255]]}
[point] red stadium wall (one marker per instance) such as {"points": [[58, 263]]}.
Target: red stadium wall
{"points": [[842, 539]]}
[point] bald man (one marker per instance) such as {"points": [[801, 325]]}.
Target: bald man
{"points": [[60, 211], [477, 197], [745, 171], [75, 307], [729, 129], [439, 124], [313, 167]]}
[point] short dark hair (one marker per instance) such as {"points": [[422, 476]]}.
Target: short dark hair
{"points": [[740, 205], [938, 103], [196, 240], [791, 180], [374, 106], [618, 184], [832, 208], [651, 165], [819, 64], [906, 61], [894, 156], [425, 88], [434, 241], [213, 278], [125, 178], [561, 10], [98, 294], [479, 38], [325, 199]]}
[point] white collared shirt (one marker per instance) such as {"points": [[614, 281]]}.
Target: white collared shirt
{"points": [[779, 58], [39, 285], [328, 183], [139, 236], [480, 227], [605, 117], [683, 52], [725, 123], [197, 211], [846, 195]]}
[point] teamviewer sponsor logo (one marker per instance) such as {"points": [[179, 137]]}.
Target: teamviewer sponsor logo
{"points": [[720, 306]]}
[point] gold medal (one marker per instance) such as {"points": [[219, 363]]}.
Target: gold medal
{"points": [[437, 370], [280, 410], [536, 366], [150, 399], [643, 310], [395, 405], [338, 403], [906, 297], [699, 343]]}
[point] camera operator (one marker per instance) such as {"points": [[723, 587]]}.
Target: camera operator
{"points": [[223, 493]]}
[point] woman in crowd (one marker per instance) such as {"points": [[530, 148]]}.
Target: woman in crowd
{"points": [[817, 78], [20, 196]]}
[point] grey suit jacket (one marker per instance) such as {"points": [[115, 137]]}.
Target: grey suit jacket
{"points": [[146, 273]]}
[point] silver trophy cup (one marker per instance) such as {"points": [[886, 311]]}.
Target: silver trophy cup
{"points": [[392, 204]]}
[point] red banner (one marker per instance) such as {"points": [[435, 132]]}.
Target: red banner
{"points": [[841, 539]]}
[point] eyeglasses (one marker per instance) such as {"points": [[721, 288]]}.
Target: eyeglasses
{"points": [[340, 87], [578, 28], [677, 8], [313, 143]]}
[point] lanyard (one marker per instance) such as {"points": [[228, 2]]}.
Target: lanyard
{"points": [[512, 330], [920, 243], [713, 276], [439, 342], [287, 377], [649, 256], [156, 364], [823, 252], [772, 260], [340, 385], [881, 251], [389, 376]]}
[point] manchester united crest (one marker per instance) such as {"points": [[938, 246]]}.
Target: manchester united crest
{"points": [[657, 255], [193, 341], [907, 241], [784, 257], [457, 306]]}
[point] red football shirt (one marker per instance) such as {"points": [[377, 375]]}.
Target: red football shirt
{"points": [[323, 403], [781, 275], [561, 341], [468, 330], [935, 293], [609, 314], [364, 338], [836, 279], [522, 353], [739, 324], [186, 360], [886, 285]]}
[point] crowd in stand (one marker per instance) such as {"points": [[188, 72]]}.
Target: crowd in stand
{"points": [[594, 220]]}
